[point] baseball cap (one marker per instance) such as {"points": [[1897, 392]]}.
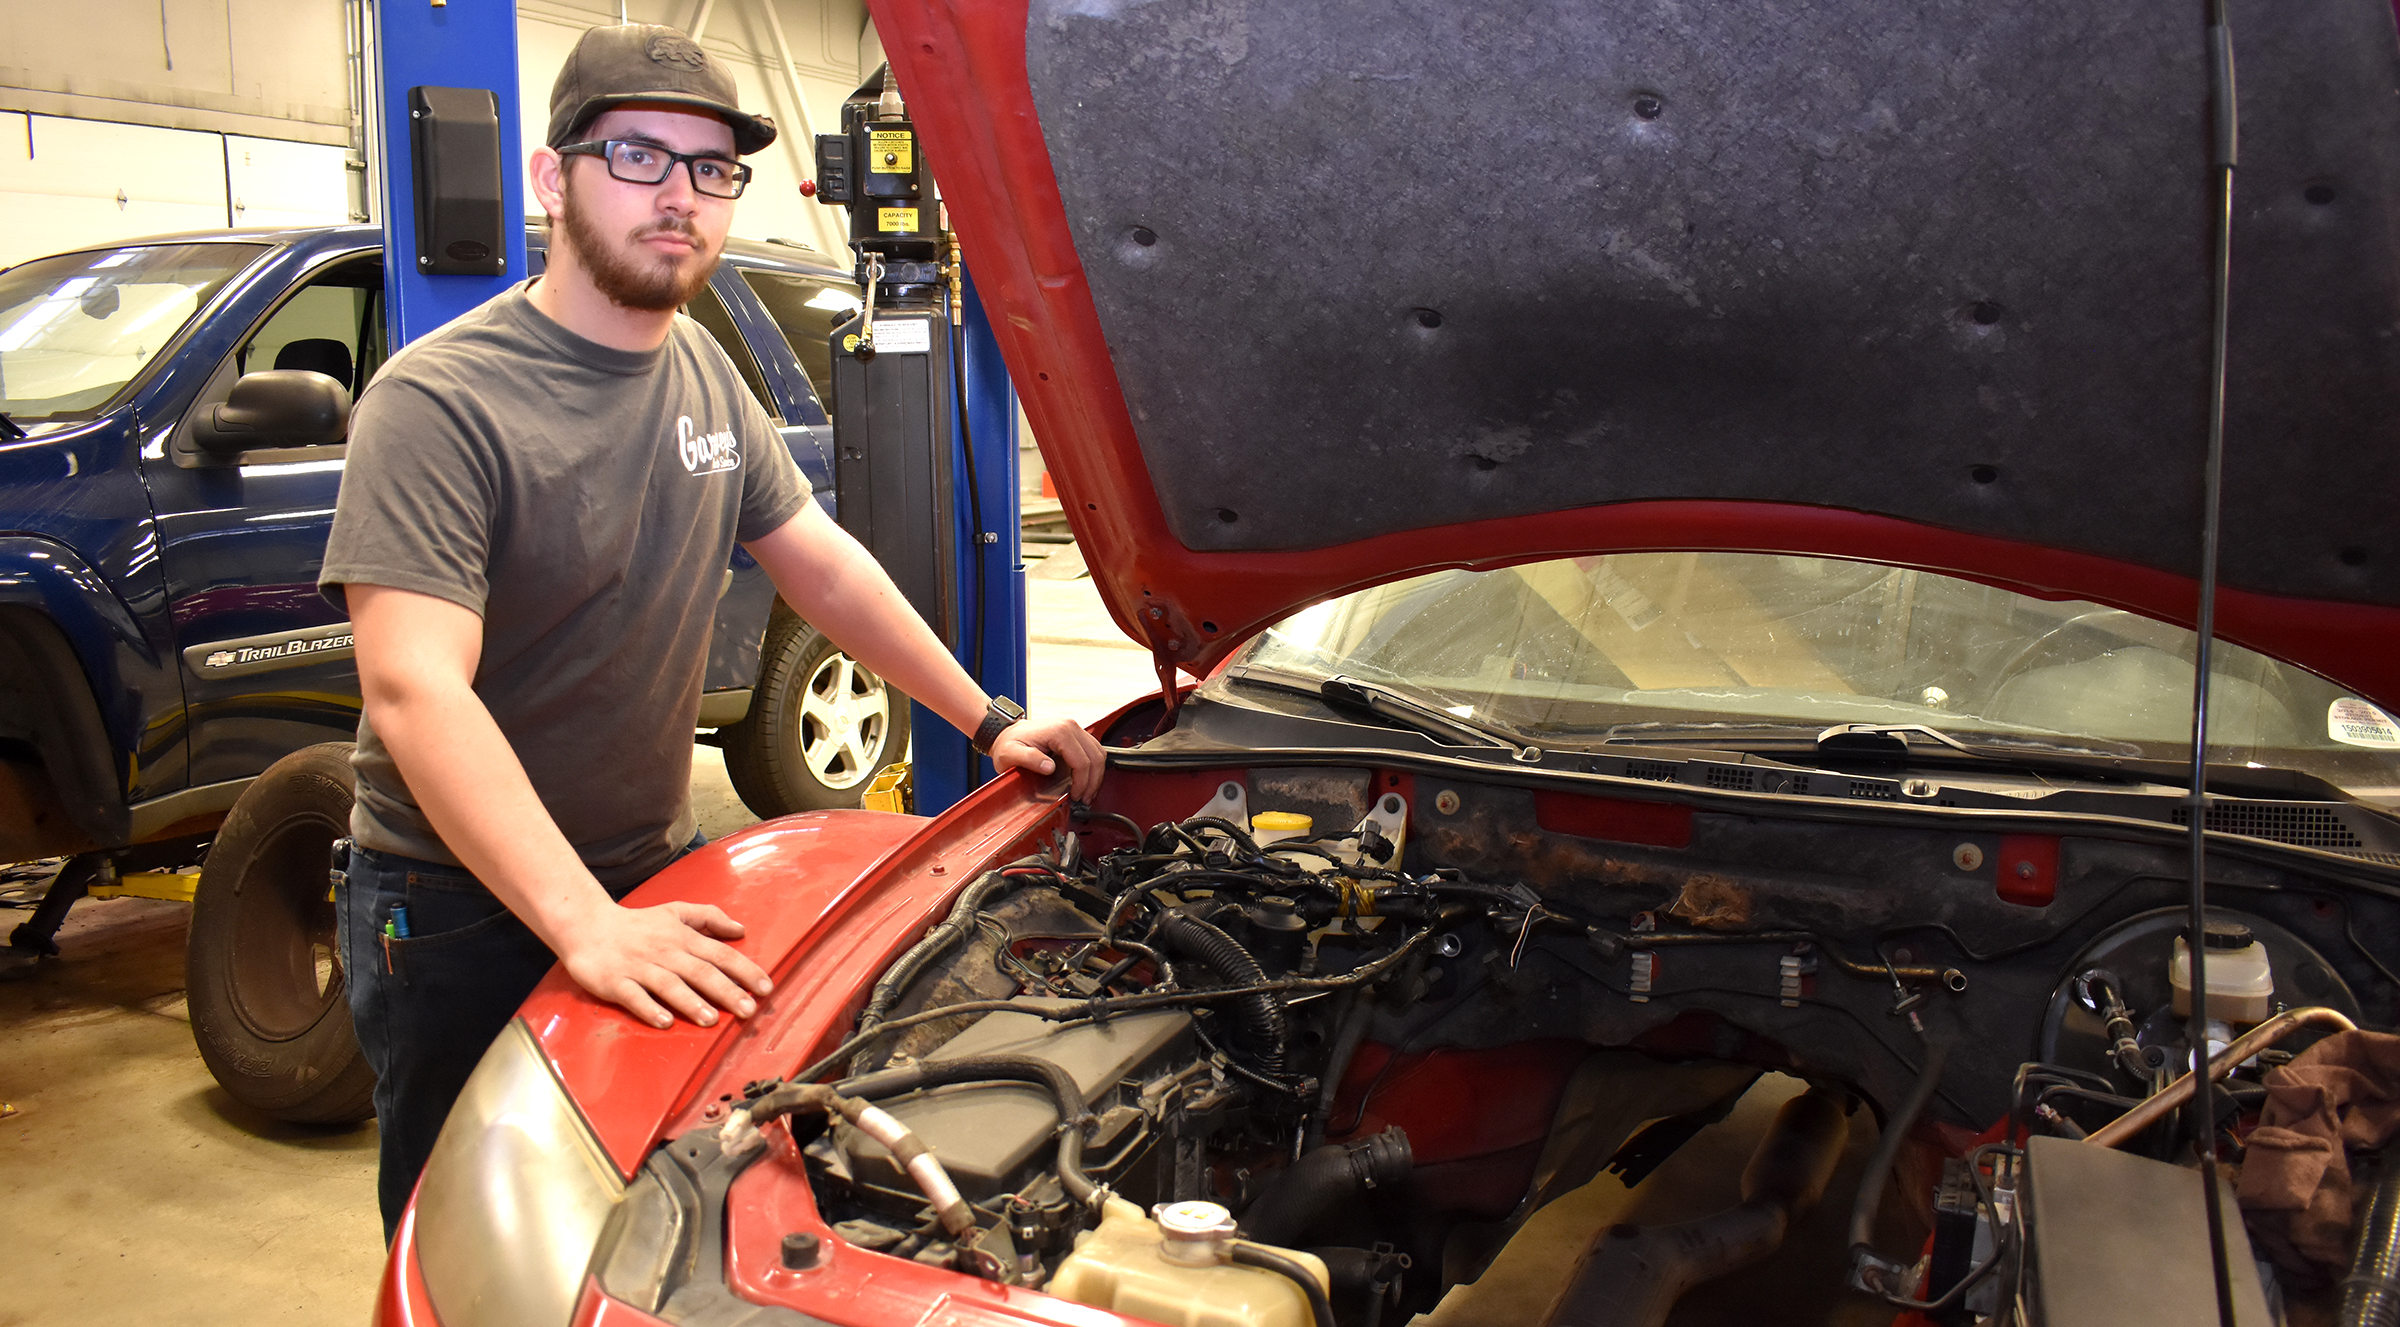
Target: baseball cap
{"points": [[646, 62]]}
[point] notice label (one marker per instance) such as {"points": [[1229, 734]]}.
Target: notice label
{"points": [[891, 151], [895, 220], [2353, 722], [903, 336]]}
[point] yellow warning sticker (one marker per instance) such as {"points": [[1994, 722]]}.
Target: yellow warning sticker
{"points": [[891, 151], [850, 344], [892, 220]]}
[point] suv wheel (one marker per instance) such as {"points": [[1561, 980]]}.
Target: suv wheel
{"points": [[819, 728], [263, 977]]}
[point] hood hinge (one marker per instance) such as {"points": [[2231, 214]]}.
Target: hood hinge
{"points": [[1169, 639]]}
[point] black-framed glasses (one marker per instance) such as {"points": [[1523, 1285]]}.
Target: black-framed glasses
{"points": [[648, 163]]}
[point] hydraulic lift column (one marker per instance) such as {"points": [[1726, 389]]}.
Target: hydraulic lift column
{"points": [[924, 422]]}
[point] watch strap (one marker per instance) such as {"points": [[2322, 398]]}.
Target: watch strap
{"points": [[996, 719]]}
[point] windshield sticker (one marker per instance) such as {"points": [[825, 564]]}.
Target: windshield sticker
{"points": [[2353, 722]]}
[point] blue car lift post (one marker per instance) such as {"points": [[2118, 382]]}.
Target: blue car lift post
{"points": [[473, 46], [426, 43], [990, 563]]}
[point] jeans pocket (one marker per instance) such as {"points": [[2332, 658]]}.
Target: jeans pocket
{"points": [[445, 902]]}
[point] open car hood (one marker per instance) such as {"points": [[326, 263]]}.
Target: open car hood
{"points": [[1302, 297]]}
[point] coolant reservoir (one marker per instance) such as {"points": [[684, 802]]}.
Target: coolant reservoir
{"points": [[2241, 986], [1131, 1266]]}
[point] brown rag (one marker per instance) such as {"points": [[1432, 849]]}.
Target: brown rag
{"points": [[2341, 1094]]}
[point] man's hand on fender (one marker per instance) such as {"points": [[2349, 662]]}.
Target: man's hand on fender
{"points": [[668, 957], [1039, 744]]}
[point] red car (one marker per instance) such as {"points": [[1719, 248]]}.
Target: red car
{"points": [[1689, 518]]}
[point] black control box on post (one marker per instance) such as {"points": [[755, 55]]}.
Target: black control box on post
{"points": [[454, 143]]}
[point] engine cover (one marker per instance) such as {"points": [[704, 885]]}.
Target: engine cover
{"points": [[991, 1137]]}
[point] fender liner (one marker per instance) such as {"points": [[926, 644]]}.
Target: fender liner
{"points": [[47, 703], [49, 697]]}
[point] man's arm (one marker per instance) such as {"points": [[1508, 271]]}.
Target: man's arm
{"points": [[830, 580], [417, 656]]}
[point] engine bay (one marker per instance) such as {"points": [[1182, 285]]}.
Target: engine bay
{"points": [[1369, 1024]]}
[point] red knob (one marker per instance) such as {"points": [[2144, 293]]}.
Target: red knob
{"points": [[808, 188]]}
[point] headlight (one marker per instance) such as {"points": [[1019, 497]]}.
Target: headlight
{"points": [[513, 1197]]}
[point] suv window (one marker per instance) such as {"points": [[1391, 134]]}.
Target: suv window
{"points": [[76, 328], [708, 309], [807, 309], [333, 325]]}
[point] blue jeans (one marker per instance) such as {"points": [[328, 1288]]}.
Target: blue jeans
{"points": [[427, 1006]]}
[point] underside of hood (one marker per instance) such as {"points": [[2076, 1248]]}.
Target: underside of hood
{"points": [[1302, 297]]}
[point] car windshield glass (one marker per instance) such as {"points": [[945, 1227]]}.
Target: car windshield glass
{"points": [[75, 329], [1564, 652]]}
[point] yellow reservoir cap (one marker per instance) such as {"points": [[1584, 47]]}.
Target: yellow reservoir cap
{"points": [[1273, 826]]}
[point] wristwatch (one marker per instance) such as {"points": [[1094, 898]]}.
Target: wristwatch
{"points": [[996, 720]]}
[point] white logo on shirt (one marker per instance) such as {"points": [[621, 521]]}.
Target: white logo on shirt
{"points": [[706, 453]]}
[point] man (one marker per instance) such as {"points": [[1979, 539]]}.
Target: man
{"points": [[530, 558]]}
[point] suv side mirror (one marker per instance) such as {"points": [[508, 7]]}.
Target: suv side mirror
{"points": [[275, 408]]}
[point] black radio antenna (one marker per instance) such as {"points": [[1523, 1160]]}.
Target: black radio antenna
{"points": [[2223, 123]]}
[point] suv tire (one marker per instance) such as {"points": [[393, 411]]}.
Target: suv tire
{"points": [[263, 976], [820, 725]]}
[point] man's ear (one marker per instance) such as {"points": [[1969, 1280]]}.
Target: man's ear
{"points": [[548, 172]]}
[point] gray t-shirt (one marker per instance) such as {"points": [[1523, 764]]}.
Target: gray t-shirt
{"points": [[585, 501]]}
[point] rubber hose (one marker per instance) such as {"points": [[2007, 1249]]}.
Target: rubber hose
{"points": [[1262, 1014], [1319, 1307], [1887, 1147], [1307, 1189], [2371, 1293], [996, 1068], [937, 942]]}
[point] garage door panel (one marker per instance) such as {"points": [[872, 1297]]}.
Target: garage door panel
{"points": [[286, 184], [60, 182]]}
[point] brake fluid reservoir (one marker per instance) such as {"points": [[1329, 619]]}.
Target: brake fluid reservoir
{"points": [[2241, 985], [1275, 826], [1130, 1265]]}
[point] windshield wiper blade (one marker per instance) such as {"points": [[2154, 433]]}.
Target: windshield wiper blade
{"points": [[1899, 732], [1394, 706], [1684, 734]]}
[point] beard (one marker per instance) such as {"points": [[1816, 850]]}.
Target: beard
{"points": [[628, 275]]}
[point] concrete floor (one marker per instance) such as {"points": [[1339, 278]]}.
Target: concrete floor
{"points": [[136, 1191]]}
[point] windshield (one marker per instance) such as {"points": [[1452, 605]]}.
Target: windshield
{"points": [[1637, 645], [75, 329]]}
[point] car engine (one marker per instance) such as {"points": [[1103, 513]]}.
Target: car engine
{"points": [[1362, 1061]]}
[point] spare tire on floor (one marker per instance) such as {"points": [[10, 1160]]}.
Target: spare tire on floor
{"points": [[263, 975]]}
